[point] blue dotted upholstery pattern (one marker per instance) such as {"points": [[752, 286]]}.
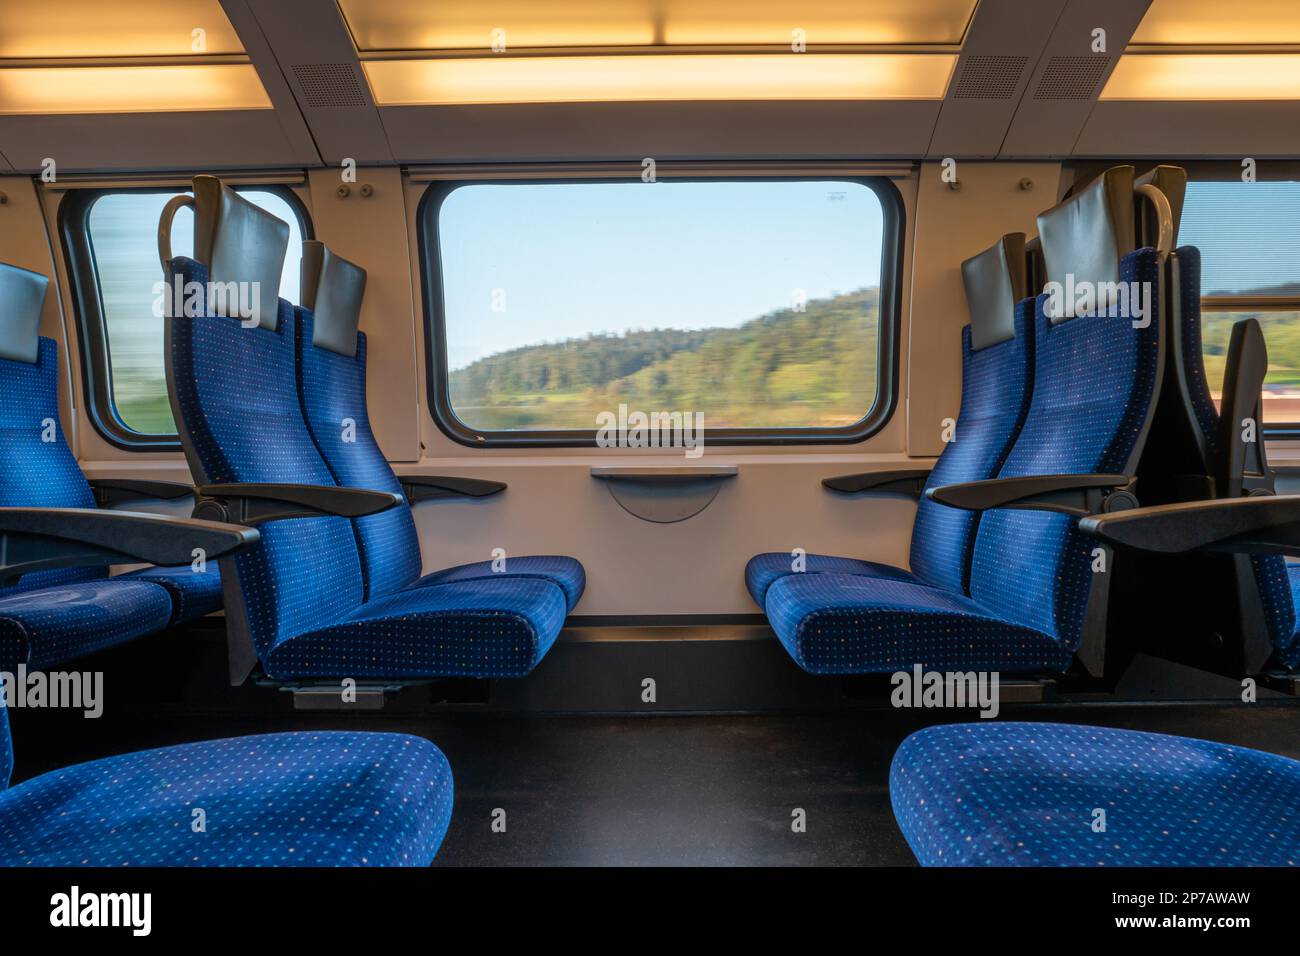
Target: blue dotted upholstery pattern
{"points": [[764, 570], [567, 573], [292, 799], [332, 388], [236, 389], [193, 593], [1024, 794], [853, 624], [238, 394], [480, 628], [36, 473], [47, 626], [995, 387], [50, 625], [1095, 380]]}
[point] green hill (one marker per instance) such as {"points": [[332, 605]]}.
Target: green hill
{"points": [[815, 367]]}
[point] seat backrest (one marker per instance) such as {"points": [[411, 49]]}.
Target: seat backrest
{"points": [[997, 357], [234, 395], [332, 387], [1096, 382], [37, 468]]}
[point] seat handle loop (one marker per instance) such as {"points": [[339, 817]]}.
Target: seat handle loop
{"points": [[1164, 217], [165, 228]]}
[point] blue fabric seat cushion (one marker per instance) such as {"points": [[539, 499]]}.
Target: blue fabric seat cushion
{"points": [[48, 626], [480, 628], [295, 799], [1025, 794], [193, 593], [764, 569], [852, 624], [567, 573]]}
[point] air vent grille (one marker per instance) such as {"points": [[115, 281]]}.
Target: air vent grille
{"points": [[1072, 77], [329, 85], [989, 77]]}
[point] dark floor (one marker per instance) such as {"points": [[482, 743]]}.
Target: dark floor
{"points": [[670, 790]]}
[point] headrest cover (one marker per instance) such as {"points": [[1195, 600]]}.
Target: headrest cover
{"points": [[22, 299], [332, 288], [242, 243], [1086, 236], [1172, 181], [995, 281]]}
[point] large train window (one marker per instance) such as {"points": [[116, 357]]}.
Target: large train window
{"points": [[761, 310], [1248, 234], [111, 240]]}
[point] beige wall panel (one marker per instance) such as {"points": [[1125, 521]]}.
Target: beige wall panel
{"points": [[950, 226], [371, 231]]}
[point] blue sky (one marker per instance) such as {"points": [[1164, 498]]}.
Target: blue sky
{"points": [[1248, 233], [576, 258]]}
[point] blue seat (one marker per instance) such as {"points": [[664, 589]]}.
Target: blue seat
{"points": [[303, 610], [51, 616], [331, 365], [1034, 600], [997, 365], [294, 799], [1026, 794]]}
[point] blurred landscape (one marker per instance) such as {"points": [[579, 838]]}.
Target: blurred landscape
{"points": [[815, 368]]}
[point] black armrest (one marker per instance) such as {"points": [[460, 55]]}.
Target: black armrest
{"points": [[253, 503], [1067, 494], [906, 482], [114, 491], [37, 539], [424, 487], [1262, 525]]}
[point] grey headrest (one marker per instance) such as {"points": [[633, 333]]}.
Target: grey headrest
{"points": [[995, 281], [1088, 234], [332, 288], [242, 243], [1172, 181], [22, 299]]}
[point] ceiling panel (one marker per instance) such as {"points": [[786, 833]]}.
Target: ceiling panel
{"points": [[842, 129], [662, 77], [1214, 76], [95, 28], [471, 24], [130, 89], [1193, 22]]}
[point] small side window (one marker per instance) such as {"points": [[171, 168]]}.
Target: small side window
{"points": [[110, 239], [1248, 234]]}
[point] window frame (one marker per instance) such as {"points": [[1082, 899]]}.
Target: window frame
{"points": [[1210, 172], [93, 349], [438, 379]]}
